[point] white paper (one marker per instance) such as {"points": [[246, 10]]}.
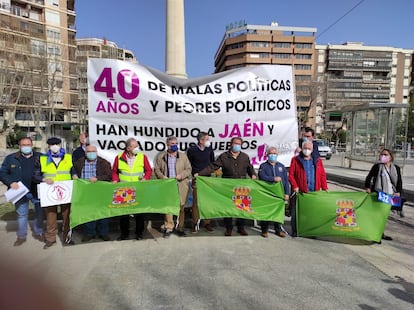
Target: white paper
{"points": [[14, 195], [56, 194]]}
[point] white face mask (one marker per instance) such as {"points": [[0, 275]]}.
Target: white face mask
{"points": [[207, 143], [54, 148], [306, 152], [135, 151]]}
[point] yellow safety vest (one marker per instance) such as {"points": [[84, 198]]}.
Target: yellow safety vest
{"points": [[126, 174], [59, 173]]}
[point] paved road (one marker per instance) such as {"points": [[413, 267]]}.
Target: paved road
{"points": [[210, 271]]}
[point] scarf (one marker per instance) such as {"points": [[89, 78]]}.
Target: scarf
{"points": [[50, 155], [386, 179]]}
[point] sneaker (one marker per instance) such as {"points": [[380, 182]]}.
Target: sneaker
{"points": [[181, 233], [264, 234], [48, 244], [167, 234], [87, 238], [242, 232], [194, 230], [139, 237], [208, 228], [228, 232], [19, 242]]}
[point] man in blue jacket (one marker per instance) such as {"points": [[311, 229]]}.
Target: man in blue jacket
{"points": [[19, 166], [273, 171]]}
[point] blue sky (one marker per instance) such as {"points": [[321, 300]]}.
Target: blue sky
{"points": [[139, 25]]}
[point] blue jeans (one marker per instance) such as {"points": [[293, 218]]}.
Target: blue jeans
{"points": [[101, 225], [22, 210]]}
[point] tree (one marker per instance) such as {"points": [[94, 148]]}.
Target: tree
{"points": [[30, 81], [312, 91]]}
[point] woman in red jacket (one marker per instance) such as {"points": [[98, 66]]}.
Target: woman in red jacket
{"points": [[306, 174]]}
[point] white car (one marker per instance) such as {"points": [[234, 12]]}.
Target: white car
{"points": [[324, 149]]}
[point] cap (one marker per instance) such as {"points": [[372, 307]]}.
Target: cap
{"points": [[53, 140]]}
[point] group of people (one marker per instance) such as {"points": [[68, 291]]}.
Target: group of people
{"points": [[306, 174]]}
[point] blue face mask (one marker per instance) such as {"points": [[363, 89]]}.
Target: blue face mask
{"points": [[91, 155], [236, 148], [26, 150], [272, 158], [174, 148]]}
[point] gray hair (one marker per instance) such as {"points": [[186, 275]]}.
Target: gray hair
{"points": [[271, 148], [170, 138], [307, 143], [129, 141]]}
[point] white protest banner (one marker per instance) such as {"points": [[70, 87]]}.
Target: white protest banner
{"points": [[58, 193], [257, 103]]}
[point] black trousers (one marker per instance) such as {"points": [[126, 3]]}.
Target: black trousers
{"points": [[228, 223], [139, 224]]}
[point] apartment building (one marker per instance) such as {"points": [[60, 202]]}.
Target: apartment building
{"points": [[249, 45], [355, 74], [327, 77], [94, 48], [38, 83]]}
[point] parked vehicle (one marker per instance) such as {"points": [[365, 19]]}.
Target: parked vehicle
{"points": [[324, 149]]}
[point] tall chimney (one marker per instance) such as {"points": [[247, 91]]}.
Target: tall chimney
{"points": [[175, 39]]}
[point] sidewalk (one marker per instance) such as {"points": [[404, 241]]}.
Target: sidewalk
{"points": [[338, 165]]}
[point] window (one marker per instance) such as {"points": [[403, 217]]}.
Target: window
{"points": [[259, 44], [303, 56], [281, 55], [38, 47], [52, 18], [281, 44], [302, 77], [235, 45], [303, 45], [259, 55], [55, 67], [53, 50], [303, 67], [53, 34]]}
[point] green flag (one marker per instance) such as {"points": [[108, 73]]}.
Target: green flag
{"points": [[240, 198], [94, 201], [355, 215]]}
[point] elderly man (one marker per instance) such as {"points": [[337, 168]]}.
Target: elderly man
{"points": [[19, 166], [94, 168], [174, 164], [306, 174], [308, 135], [55, 165], [273, 172], [131, 165]]}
